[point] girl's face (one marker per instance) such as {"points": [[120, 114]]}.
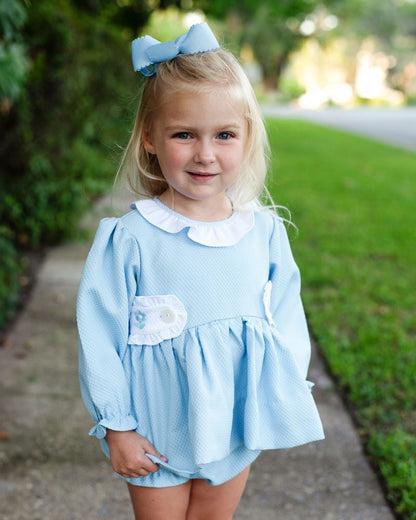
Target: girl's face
{"points": [[199, 141]]}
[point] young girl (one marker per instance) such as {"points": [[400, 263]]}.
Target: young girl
{"points": [[193, 343]]}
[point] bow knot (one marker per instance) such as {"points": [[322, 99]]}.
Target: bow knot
{"points": [[147, 52]]}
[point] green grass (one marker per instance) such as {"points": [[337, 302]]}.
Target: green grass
{"points": [[353, 201]]}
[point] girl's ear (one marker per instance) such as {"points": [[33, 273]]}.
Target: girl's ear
{"points": [[148, 142]]}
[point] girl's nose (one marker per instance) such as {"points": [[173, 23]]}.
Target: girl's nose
{"points": [[204, 153]]}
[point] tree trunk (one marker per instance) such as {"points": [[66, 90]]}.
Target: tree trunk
{"points": [[272, 75]]}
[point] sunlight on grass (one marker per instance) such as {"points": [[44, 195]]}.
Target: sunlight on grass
{"points": [[353, 202]]}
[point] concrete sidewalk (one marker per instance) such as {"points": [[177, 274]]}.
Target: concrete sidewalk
{"points": [[51, 470]]}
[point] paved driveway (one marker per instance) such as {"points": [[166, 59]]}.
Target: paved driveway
{"points": [[395, 126]]}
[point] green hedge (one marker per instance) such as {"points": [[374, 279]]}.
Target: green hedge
{"points": [[62, 129], [9, 279]]}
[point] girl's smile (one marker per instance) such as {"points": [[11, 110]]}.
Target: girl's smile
{"points": [[199, 140], [202, 176]]}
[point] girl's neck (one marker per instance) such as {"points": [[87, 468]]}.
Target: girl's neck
{"points": [[209, 210]]}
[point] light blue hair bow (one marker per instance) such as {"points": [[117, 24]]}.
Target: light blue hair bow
{"points": [[147, 51]]}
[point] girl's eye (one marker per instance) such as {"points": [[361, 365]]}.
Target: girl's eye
{"points": [[225, 135], [182, 135]]}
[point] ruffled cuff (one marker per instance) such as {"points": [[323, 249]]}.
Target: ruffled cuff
{"points": [[125, 424]]}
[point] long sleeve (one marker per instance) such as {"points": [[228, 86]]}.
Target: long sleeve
{"points": [[106, 291], [286, 305]]}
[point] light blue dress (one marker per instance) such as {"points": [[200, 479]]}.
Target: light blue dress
{"points": [[194, 335]]}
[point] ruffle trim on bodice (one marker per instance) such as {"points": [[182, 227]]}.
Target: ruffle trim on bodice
{"points": [[221, 233]]}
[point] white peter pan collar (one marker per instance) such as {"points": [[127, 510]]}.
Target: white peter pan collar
{"points": [[214, 234]]}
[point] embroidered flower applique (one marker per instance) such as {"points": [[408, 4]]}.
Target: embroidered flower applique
{"points": [[140, 318], [156, 318]]}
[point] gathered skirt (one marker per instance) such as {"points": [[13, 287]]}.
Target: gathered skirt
{"points": [[214, 397]]}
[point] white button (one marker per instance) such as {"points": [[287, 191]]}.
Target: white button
{"points": [[167, 315]]}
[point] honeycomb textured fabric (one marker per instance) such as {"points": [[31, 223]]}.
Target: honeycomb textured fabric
{"points": [[224, 376]]}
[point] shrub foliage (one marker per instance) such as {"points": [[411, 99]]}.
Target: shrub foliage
{"points": [[61, 115]]}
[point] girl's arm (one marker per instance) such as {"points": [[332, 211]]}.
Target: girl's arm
{"points": [[286, 305], [107, 288]]}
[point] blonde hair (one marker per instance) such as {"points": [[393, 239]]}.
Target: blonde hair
{"points": [[197, 73]]}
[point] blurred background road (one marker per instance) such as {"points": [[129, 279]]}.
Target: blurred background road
{"points": [[392, 126]]}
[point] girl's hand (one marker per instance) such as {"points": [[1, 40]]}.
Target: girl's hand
{"points": [[128, 454]]}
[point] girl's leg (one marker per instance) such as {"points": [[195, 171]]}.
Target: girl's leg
{"points": [[170, 503], [216, 502]]}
